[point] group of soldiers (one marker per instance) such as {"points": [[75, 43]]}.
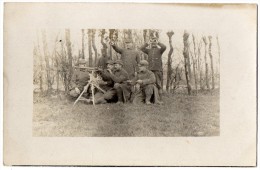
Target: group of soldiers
{"points": [[127, 80]]}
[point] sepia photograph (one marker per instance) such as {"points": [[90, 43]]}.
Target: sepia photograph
{"points": [[130, 84], [126, 82]]}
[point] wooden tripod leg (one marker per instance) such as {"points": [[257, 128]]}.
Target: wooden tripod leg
{"points": [[93, 95], [100, 88], [84, 90]]}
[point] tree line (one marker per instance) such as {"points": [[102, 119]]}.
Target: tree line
{"points": [[53, 67]]}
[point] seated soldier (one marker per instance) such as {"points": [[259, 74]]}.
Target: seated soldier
{"points": [[110, 94], [79, 79], [119, 77], [145, 85]]}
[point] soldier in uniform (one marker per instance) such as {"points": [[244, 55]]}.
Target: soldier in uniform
{"points": [[145, 85], [102, 62], [79, 79], [129, 56], [119, 77], [108, 86], [155, 60]]}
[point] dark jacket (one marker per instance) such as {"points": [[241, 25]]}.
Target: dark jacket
{"points": [[119, 76], [147, 77], [79, 79], [130, 58], [154, 56]]}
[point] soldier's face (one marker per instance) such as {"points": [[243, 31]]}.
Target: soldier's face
{"points": [[117, 66], [154, 45], [110, 66], [142, 68], [129, 45]]}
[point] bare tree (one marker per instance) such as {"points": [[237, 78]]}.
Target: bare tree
{"points": [[194, 58], [41, 63], [69, 52], [94, 45], [169, 68], [218, 60], [211, 61], [199, 66], [90, 60], [206, 63], [186, 59], [47, 63], [83, 44]]}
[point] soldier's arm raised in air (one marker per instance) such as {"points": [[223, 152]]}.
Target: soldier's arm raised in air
{"points": [[117, 49], [163, 47], [144, 49], [150, 79]]}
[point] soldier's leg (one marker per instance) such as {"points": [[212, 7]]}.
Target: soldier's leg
{"points": [[148, 90], [119, 92], [100, 98], [159, 79]]}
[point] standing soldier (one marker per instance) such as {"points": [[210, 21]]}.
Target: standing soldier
{"points": [[145, 85], [155, 60], [129, 56], [119, 77], [79, 79], [102, 62]]}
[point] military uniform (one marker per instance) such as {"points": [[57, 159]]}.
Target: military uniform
{"points": [[130, 59], [79, 79], [119, 78], [155, 62], [147, 87]]}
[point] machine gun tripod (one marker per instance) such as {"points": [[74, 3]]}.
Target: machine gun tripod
{"points": [[93, 82]]}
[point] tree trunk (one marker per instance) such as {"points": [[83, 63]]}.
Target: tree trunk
{"points": [[211, 61], [186, 61], [194, 58], [41, 63], [145, 40], [46, 55], [94, 46], [218, 63], [103, 31], [199, 67], [169, 68], [83, 44], [69, 51], [206, 63], [90, 60]]}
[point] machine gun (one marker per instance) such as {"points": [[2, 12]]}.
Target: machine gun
{"points": [[93, 83]]}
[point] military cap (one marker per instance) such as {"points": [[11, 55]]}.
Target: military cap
{"points": [[119, 62], [143, 63], [110, 62], [128, 41]]}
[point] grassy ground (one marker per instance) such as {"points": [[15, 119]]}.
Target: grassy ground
{"points": [[180, 115]]}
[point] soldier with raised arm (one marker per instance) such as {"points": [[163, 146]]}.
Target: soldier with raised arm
{"points": [[155, 60], [129, 56]]}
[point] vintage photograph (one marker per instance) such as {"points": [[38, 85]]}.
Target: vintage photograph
{"points": [[130, 84], [126, 83]]}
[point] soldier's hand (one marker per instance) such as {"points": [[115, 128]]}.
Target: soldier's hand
{"points": [[111, 43], [77, 90], [137, 87], [110, 71], [139, 81]]}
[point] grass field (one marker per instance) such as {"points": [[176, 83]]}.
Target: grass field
{"points": [[180, 115]]}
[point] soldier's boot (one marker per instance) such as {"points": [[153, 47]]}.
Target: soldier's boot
{"points": [[148, 94], [119, 93]]}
